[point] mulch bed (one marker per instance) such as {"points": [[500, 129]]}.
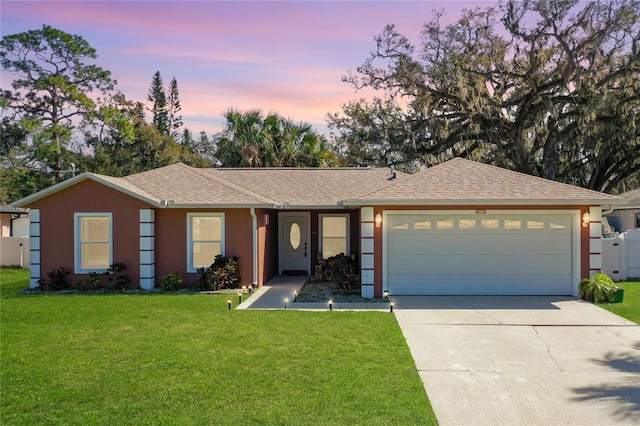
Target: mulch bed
{"points": [[313, 291]]}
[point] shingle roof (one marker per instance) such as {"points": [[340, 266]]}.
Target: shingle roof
{"points": [[633, 197], [308, 187], [456, 182], [184, 185], [461, 181]]}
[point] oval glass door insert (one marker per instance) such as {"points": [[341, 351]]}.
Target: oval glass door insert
{"points": [[294, 236]]}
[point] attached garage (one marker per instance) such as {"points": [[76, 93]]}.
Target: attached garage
{"points": [[481, 252]]}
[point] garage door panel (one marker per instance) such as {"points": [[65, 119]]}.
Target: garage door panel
{"points": [[455, 244], [496, 254], [478, 264], [469, 285]]}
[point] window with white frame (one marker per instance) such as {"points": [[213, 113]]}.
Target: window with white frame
{"points": [[205, 239], [334, 232], [93, 242]]}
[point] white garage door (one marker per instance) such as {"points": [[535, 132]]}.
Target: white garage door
{"points": [[499, 254]]}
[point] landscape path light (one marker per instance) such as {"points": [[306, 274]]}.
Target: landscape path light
{"points": [[229, 303], [331, 304], [285, 300], [391, 304]]}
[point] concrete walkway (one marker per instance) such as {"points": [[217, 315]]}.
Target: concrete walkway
{"points": [[523, 360], [272, 294]]}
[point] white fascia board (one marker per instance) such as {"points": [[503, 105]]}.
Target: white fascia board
{"points": [[554, 202], [312, 207], [218, 206]]}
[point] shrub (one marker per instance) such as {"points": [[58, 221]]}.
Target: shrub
{"points": [[343, 271], [93, 281], [117, 275], [222, 274], [57, 281], [171, 281], [80, 285], [598, 289]]}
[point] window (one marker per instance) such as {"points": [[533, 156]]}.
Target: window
{"points": [[637, 220], [512, 224], [334, 230], [93, 242], [205, 239], [465, 224]]}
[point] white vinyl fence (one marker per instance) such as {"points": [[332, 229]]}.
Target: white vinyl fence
{"points": [[14, 251], [621, 256]]}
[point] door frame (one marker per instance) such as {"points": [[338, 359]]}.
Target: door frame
{"points": [[282, 238]]}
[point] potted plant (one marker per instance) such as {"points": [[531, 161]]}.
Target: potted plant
{"points": [[600, 288]]}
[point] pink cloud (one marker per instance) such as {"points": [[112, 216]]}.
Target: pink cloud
{"points": [[281, 56]]}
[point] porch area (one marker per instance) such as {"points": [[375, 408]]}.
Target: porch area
{"points": [[273, 293]]}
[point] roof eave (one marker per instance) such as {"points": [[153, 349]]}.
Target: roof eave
{"points": [[484, 202], [633, 207], [218, 206], [312, 206]]}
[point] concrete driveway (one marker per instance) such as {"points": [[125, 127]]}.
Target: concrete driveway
{"points": [[487, 360]]}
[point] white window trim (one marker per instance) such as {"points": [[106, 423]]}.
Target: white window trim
{"points": [[347, 231], [190, 216], [77, 246]]}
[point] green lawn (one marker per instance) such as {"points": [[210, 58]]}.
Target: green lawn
{"points": [[630, 306], [185, 359]]}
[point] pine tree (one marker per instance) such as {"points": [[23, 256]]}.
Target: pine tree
{"points": [[173, 108], [159, 108]]}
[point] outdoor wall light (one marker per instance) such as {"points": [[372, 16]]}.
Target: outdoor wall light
{"points": [[229, 303], [378, 220], [331, 304], [391, 304], [586, 218], [285, 300]]}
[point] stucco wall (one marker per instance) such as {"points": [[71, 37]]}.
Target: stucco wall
{"points": [[57, 232], [171, 242], [57, 225], [5, 225]]}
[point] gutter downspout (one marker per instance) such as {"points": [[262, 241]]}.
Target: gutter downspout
{"points": [[255, 246]]}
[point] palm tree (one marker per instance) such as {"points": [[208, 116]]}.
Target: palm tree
{"points": [[253, 140]]}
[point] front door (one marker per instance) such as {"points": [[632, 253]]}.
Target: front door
{"points": [[295, 247]]}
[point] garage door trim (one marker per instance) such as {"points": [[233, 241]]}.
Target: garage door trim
{"points": [[575, 233]]}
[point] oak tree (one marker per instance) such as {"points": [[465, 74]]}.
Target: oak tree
{"points": [[550, 88]]}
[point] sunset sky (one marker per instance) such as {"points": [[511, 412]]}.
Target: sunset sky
{"points": [[286, 57]]}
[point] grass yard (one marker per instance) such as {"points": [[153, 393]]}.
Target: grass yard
{"points": [[630, 306], [185, 359]]}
